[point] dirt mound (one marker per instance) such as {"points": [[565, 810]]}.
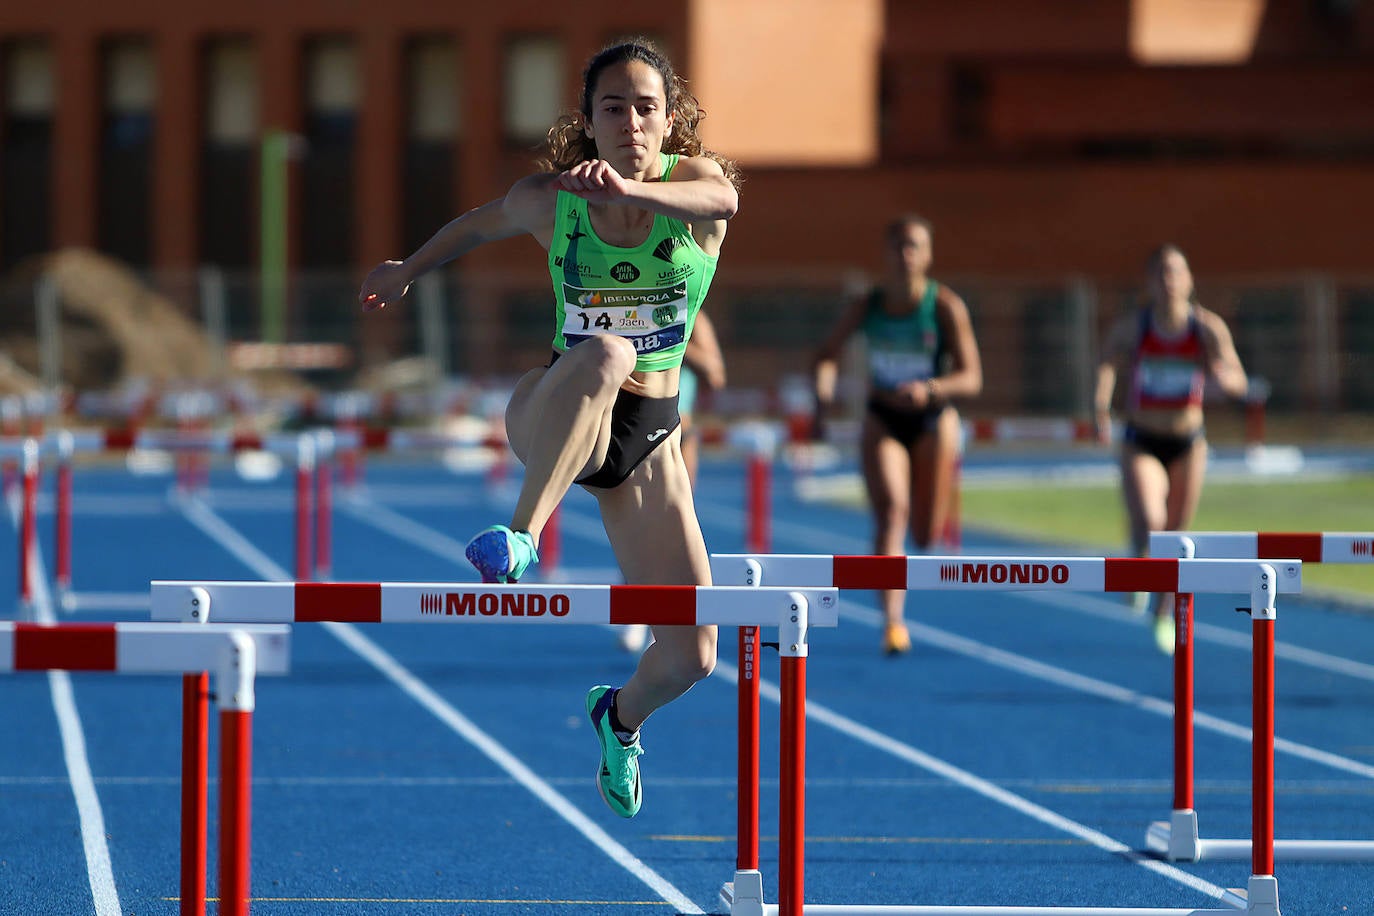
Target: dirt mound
{"points": [[115, 331]]}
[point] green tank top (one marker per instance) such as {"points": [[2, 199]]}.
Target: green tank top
{"points": [[649, 294], [902, 348]]}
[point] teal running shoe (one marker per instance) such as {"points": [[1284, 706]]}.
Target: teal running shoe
{"points": [[502, 555], [618, 777]]}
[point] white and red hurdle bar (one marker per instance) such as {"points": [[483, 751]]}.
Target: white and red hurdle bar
{"points": [[1178, 838], [1261, 581], [792, 610], [237, 654]]}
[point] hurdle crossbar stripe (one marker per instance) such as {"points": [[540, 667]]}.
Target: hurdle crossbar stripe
{"points": [[1002, 573], [744, 895], [1310, 547], [133, 648], [1178, 838], [447, 602]]}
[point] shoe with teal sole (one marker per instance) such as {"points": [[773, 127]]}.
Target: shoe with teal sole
{"points": [[618, 777]]}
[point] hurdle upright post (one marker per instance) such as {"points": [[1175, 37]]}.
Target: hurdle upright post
{"points": [[305, 474], [1263, 895], [236, 701], [324, 505], [195, 771], [28, 524], [760, 495], [792, 761], [195, 776], [1183, 832], [62, 524]]}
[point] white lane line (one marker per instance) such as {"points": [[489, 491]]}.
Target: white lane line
{"points": [[351, 637], [99, 869], [875, 739], [440, 708]]}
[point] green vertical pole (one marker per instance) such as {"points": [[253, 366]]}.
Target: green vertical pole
{"points": [[272, 234]]}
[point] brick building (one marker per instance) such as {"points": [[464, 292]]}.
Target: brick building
{"points": [[1047, 138]]}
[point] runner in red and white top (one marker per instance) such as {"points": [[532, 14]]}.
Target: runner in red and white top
{"points": [[1166, 351]]}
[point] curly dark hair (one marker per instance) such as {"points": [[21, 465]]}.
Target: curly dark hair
{"points": [[568, 144]]}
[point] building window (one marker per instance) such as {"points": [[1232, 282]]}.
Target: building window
{"points": [[27, 95], [326, 173], [433, 124], [533, 81], [229, 153], [130, 94]]}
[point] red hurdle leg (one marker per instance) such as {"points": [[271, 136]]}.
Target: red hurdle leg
{"points": [[28, 525], [747, 841], [324, 510], [1183, 701], [1262, 744], [236, 770], [305, 472], [195, 752], [760, 501], [792, 815], [62, 527]]}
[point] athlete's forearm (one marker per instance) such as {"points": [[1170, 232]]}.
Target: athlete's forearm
{"points": [[706, 198], [459, 236]]}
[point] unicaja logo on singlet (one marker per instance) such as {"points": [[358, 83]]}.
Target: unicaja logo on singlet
{"points": [[664, 250]]}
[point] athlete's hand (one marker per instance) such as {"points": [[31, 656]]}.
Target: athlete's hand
{"points": [[594, 180], [386, 283], [916, 395]]}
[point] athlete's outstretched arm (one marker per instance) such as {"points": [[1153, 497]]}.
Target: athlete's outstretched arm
{"points": [[519, 211]]}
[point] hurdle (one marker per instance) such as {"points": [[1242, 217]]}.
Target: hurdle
{"points": [[311, 510], [1178, 838], [792, 610], [744, 895], [237, 655]]}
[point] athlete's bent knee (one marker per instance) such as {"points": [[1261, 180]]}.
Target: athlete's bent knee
{"points": [[613, 356]]}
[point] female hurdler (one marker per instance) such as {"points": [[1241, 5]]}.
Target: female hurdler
{"points": [[632, 212]]}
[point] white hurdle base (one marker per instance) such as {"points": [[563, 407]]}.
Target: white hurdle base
{"points": [[1178, 841], [1177, 838], [744, 897]]}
